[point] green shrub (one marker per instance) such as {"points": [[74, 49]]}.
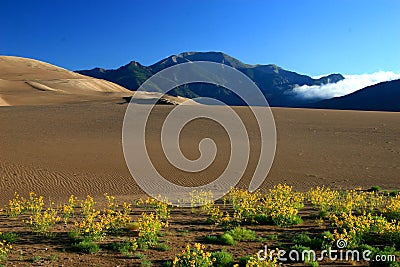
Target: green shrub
{"points": [[212, 239], [316, 243], [313, 263], [9, 237], [262, 219], [375, 188], [86, 246], [36, 258], [302, 239], [226, 239], [75, 236], [242, 234], [328, 239], [162, 247], [126, 247], [300, 248], [323, 213], [243, 261], [283, 220], [222, 258], [167, 264]]}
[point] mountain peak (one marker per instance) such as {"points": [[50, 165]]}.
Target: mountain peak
{"points": [[134, 63]]}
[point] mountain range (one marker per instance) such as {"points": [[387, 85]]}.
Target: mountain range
{"points": [[26, 81], [276, 84], [384, 96]]}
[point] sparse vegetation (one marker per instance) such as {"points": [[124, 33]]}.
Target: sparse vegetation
{"points": [[222, 258], [363, 218], [87, 246]]}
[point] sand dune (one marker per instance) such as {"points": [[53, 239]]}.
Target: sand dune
{"points": [[57, 150], [31, 82], [26, 81]]}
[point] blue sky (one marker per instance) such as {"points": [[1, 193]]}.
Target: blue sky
{"points": [[309, 37]]}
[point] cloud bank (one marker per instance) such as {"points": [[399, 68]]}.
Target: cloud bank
{"points": [[350, 84]]}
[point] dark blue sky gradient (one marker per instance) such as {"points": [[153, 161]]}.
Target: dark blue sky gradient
{"points": [[311, 37]]}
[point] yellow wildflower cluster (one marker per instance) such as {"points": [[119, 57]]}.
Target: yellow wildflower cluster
{"points": [[87, 206], [216, 215], [19, 204], [328, 200], [201, 198], [95, 224], [68, 210], [392, 209], [41, 222], [4, 249], [161, 208], [91, 226], [266, 261], [149, 226], [114, 219], [282, 205], [16, 206], [356, 228], [35, 203], [194, 256], [245, 205], [322, 197]]}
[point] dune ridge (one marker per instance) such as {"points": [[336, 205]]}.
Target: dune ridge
{"points": [[26, 81]]}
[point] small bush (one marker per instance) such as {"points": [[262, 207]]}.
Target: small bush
{"points": [[302, 239], [263, 219], [375, 188], [222, 258], [125, 247], [226, 239], [283, 220], [36, 258], [211, 239], [243, 261], [75, 236], [300, 248], [143, 260], [242, 234], [316, 243], [313, 263], [9, 237], [86, 247], [162, 247]]}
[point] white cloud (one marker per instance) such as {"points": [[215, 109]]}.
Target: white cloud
{"points": [[350, 84]]}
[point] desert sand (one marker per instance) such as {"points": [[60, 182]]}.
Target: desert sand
{"points": [[58, 150]]}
